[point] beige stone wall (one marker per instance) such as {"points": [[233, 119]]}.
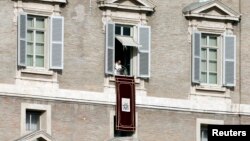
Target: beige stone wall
{"points": [[85, 41], [85, 122], [8, 42], [83, 48]]}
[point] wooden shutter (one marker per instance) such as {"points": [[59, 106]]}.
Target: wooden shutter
{"points": [[144, 39], [229, 62], [57, 39], [110, 48], [196, 57], [22, 35]]}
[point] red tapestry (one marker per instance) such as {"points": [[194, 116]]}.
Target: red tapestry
{"points": [[125, 103]]}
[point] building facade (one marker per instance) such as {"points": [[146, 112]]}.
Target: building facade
{"points": [[189, 59]]}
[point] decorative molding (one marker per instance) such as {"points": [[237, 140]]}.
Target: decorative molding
{"points": [[37, 8], [36, 135], [145, 5], [213, 10], [195, 103]]}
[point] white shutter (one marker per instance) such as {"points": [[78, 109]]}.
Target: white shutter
{"points": [[144, 39], [56, 43], [229, 62], [22, 35], [110, 48], [196, 57]]}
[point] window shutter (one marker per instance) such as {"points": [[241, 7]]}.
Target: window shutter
{"points": [[110, 48], [144, 39], [196, 57], [56, 43], [229, 62], [22, 34]]}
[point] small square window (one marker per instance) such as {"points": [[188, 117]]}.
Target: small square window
{"points": [[35, 117], [33, 120]]}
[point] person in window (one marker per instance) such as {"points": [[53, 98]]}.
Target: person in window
{"points": [[118, 67]]}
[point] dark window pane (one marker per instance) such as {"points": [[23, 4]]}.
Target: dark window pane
{"points": [[126, 31], [117, 30]]}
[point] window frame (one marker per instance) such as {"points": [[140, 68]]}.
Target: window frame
{"points": [[200, 122], [45, 117], [133, 52], [46, 43], [219, 60]]}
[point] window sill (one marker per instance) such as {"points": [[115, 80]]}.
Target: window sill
{"points": [[112, 79], [37, 71], [216, 88]]}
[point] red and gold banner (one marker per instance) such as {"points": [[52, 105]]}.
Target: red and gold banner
{"points": [[125, 103]]}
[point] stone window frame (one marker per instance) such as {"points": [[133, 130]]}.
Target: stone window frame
{"points": [[45, 118], [200, 121], [115, 12], [200, 21], [44, 8]]}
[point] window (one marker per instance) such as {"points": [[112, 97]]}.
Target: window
{"points": [[213, 59], [122, 52], [202, 128], [35, 117], [40, 41], [209, 59], [36, 30], [131, 45], [32, 120]]}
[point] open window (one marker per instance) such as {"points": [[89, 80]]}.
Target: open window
{"points": [[131, 45], [128, 38]]}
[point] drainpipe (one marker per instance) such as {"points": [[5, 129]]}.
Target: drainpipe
{"points": [[240, 92]]}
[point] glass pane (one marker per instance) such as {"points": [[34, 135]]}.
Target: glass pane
{"points": [[34, 121], [126, 31], [203, 65], [39, 61], [204, 136], [30, 48], [212, 41], [29, 60], [203, 40], [117, 30], [27, 122], [212, 54], [203, 53], [30, 22], [39, 49], [212, 66], [203, 77], [30, 36], [39, 23], [39, 37], [212, 78]]}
